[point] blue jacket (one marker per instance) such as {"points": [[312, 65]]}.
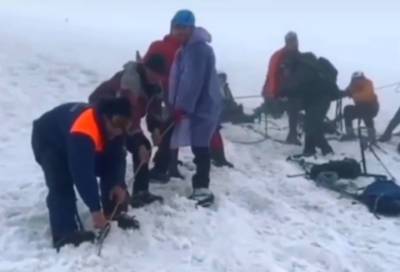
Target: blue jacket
{"points": [[76, 132], [194, 88]]}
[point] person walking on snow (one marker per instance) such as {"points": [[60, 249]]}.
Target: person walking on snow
{"points": [[196, 101], [365, 107], [139, 83], [74, 144], [273, 84]]}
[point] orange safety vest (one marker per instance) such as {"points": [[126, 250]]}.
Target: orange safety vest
{"points": [[87, 124]]}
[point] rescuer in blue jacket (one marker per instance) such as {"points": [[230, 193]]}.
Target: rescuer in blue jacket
{"points": [[74, 144]]}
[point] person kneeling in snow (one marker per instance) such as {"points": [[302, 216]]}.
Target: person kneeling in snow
{"points": [[366, 106], [74, 144], [196, 100]]}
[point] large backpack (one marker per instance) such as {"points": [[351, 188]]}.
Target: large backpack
{"points": [[346, 168], [382, 197], [327, 70]]}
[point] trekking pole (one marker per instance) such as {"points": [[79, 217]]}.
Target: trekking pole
{"points": [[106, 230], [167, 130], [296, 175]]}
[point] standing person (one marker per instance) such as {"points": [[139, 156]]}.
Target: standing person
{"points": [[195, 99], [139, 83], [365, 107], [74, 144], [271, 90], [303, 80], [165, 159]]}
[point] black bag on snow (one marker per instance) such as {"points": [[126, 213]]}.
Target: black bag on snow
{"points": [[382, 196], [346, 168]]}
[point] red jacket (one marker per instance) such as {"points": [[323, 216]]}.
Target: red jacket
{"points": [[167, 48], [273, 80]]}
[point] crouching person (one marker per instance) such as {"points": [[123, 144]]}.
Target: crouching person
{"points": [[365, 106], [196, 100], [74, 144]]}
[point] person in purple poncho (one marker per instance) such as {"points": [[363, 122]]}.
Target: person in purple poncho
{"points": [[195, 100]]}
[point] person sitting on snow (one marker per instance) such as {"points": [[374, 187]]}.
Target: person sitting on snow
{"points": [[365, 107], [139, 83], [273, 84], [195, 98], [232, 112], [74, 144]]}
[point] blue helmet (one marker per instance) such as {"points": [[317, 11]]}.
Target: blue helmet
{"points": [[184, 18]]}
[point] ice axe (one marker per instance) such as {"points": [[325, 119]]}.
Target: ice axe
{"points": [[103, 233]]}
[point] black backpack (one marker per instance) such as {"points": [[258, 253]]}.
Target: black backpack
{"points": [[346, 168]]}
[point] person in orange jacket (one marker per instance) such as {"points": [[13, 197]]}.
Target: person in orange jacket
{"points": [[366, 106], [273, 84]]}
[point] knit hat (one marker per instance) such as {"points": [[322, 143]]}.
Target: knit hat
{"points": [[115, 107], [291, 36], [156, 63], [357, 74], [183, 18]]}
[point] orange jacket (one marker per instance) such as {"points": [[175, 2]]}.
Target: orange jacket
{"points": [[274, 76], [362, 92]]}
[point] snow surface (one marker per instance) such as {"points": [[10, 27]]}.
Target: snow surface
{"points": [[58, 51]]}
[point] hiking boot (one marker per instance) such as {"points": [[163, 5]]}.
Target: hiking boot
{"points": [[141, 199], [173, 172], [75, 238], [126, 221], [308, 153], [218, 159], [348, 137], [327, 151], [157, 176], [203, 197], [292, 139], [222, 163]]}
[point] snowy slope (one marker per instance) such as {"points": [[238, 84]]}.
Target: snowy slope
{"points": [[263, 221]]}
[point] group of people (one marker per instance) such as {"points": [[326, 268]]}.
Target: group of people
{"points": [[176, 90], [300, 81]]}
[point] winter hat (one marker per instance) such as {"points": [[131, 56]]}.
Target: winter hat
{"points": [[291, 36], [115, 107], [184, 18], [357, 74], [156, 63]]}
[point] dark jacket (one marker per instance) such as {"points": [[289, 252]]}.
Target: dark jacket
{"points": [[132, 84], [76, 132], [303, 79]]}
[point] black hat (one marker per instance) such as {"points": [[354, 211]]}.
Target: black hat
{"points": [[115, 107], [156, 63]]}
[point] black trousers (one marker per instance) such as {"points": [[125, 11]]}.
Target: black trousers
{"points": [[202, 160], [316, 111], [365, 112], [163, 156], [294, 106], [133, 144]]}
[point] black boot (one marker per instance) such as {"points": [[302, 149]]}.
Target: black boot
{"points": [[293, 139], [219, 160], [75, 238], [203, 197], [157, 176], [126, 221], [141, 199]]}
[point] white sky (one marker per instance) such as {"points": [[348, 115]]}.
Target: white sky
{"points": [[354, 35]]}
